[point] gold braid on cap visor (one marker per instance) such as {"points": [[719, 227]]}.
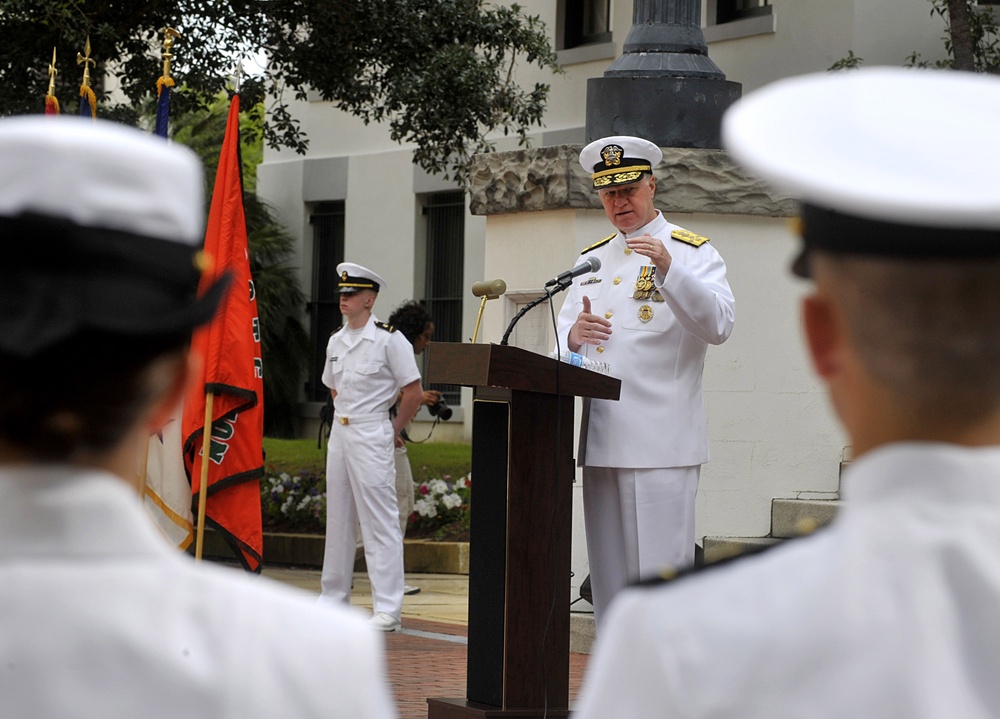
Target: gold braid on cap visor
{"points": [[619, 175]]}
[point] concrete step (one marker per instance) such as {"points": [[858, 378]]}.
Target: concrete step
{"points": [[795, 517], [718, 548]]}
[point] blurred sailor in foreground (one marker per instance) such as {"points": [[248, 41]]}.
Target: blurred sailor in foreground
{"points": [[892, 610], [100, 226]]}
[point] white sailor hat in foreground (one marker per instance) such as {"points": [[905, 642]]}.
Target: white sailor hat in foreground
{"points": [[354, 277], [619, 159], [100, 225], [887, 161]]}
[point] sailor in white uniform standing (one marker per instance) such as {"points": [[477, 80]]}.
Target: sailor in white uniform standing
{"points": [[657, 302], [368, 364]]}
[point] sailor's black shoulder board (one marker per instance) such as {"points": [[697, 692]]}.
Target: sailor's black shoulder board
{"points": [[337, 330], [594, 246], [669, 575], [384, 326]]}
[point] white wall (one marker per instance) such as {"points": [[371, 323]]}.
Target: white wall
{"points": [[771, 430]]}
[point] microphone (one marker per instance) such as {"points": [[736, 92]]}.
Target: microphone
{"points": [[490, 289], [591, 264]]}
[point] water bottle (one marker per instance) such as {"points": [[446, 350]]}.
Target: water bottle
{"points": [[578, 360]]}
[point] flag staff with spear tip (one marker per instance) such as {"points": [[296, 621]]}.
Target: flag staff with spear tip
{"points": [[88, 101], [51, 102]]}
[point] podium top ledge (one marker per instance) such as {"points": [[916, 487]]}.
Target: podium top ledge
{"points": [[492, 365]]}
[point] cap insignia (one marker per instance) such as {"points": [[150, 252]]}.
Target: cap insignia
{"points": [[612, 155]]}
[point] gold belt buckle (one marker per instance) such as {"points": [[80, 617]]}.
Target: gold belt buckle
{"points": [[344, 420]]}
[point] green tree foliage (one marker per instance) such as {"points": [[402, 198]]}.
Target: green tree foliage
{"points": [[971, 40], [971, 37], [284, 341], [439, 72]]}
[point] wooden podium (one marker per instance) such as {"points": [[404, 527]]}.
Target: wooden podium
{"points": [[519, 563]]}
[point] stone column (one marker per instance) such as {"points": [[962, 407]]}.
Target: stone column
{"points": [[664, 87]]}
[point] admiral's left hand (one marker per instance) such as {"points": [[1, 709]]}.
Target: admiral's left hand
{"points": [[652, 248]]}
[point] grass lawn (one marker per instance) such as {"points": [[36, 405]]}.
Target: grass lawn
{"points": [[430, 460]]}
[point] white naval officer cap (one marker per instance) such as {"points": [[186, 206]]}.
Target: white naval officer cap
{"points": [[101, 227], [354, 277], [619, 159], [887, 162]]}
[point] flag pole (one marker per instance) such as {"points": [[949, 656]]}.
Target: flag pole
{"points": [[51, 102], [88, 100], [203, 487]]}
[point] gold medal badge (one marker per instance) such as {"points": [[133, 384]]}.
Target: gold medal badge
{"points": [[645, 313], [644, 282]]}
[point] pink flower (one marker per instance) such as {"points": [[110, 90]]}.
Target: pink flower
{"points": [[423, 489]]}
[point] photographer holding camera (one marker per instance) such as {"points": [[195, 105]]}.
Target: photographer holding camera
{"points": [[413, 321]]}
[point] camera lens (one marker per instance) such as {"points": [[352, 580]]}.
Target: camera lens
{"points": [[441, 410]]}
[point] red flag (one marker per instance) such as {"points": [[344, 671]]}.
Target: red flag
{"points": [[230, 348]]}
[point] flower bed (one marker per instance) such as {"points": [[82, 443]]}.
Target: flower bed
{"points": [[297, 503]]}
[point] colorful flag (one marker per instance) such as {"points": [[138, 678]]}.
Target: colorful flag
{"points": [[164, 83], [88, 100], [163, 86], [168, 493], [232, 372]]}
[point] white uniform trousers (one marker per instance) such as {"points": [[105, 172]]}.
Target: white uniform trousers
{"points": [[404, 488], [638, 522], [360, 485]]}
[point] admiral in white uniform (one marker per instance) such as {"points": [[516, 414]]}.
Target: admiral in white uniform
{"points": [[657, 302], [892, 610], [99, 615], [368, 364]]}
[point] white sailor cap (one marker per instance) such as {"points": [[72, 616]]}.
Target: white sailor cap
{"points": [[354, 277], [887, 162], [619, 159], [100, 228]]}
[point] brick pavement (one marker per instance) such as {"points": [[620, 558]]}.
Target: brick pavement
{"points": [[420, 667]]}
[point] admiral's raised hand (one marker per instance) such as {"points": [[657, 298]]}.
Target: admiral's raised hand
{"points": [[653, 249], [589, 329]]}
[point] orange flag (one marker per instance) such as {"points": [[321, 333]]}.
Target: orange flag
{"points": [[232, 372]]}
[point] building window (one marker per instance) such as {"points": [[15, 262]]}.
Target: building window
{"points": [[444, 214], [327, 220], [733, 19], [730, 10], [583, 22]]}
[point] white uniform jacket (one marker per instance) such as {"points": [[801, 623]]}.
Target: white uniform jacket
{"points": [[892, 611], [369, 374], [657, 349], [100, 617]]}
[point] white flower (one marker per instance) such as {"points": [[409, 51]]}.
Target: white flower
{"points": [[425, 508], [451, 501], [437, 486]]}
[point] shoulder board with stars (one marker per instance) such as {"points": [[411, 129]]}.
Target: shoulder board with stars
{"points": [[688, 237], [594, 246], [384, 326]]}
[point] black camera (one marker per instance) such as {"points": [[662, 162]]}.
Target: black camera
{"points": [[441, 410]]}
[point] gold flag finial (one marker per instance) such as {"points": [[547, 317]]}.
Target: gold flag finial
{"points": [[87, 62], [169, 34], [52, 74]]}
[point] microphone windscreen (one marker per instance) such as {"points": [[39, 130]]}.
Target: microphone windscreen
{"points": [[489, 288]]}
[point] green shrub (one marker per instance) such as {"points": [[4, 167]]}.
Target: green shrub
{"points": [[293, 490]]}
